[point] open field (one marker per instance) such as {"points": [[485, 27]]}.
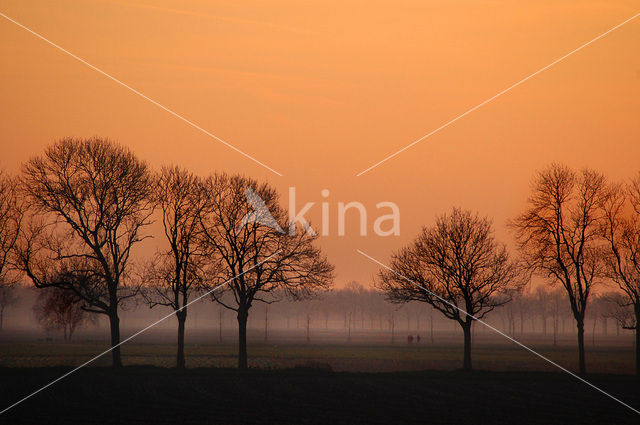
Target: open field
{"points": [[366, 353], [310, 396], [316, 383], [341, 357]]}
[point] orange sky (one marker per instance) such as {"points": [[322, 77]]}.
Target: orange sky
{"points": [[322, 90]]}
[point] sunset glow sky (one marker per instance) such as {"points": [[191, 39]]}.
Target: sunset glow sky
{"points": [[322, 90]]}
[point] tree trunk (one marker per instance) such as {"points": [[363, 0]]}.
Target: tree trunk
{"points": [[1, 318], [533, 325], [431, 326], [182, 318], [637, 349], [392, 324], [582, 364], [266, 324], [466, 329], [114, 323], [637, 312], [220, 324], [243, 316]]}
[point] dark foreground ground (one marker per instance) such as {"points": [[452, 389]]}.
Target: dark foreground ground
{"points": [[152, 395]]}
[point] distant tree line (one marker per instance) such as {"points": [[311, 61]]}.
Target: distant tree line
{"points": [[360, 311], [578, 231], [72, 219], [352, 312]]}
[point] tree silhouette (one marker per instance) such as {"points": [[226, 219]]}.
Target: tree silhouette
{"points": [[618, 308], [457, 267], [621, 229], [256, 258], [58, 308], [89, 200], [10, 222], [8, 298], [181, 269], [558, 235]]}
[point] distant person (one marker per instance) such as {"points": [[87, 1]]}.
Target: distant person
{"points": [[410, 339], [418, 339]]}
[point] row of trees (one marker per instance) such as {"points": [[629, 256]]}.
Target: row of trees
{"points": [[577, 231], [581, 231], [73, 216], [351, 312], [538, 311], [76, 213]]}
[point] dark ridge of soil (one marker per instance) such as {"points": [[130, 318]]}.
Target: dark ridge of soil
{"points": [[151, 395]]}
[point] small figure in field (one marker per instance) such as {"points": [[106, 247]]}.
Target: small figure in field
{"points": [[410, 339], [418, 339]]}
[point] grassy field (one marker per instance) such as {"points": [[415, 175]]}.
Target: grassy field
{"points": [[318, 383], [357, 357]]}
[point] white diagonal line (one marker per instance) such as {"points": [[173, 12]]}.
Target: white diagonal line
{"points": [[447, 124], [136, 334], [499, 332], [175, 114]]}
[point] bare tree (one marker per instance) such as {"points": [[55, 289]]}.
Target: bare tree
{"points": [[457, 267], [266, 323], [509, 312], [58, 308], [351, 299], [557, 302], [180, 270], [558, 235], [621, 229], [257, 257], [8, 298], [10, 221], [89, 201], [595, 313], [619, 309], [541, 304]]}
